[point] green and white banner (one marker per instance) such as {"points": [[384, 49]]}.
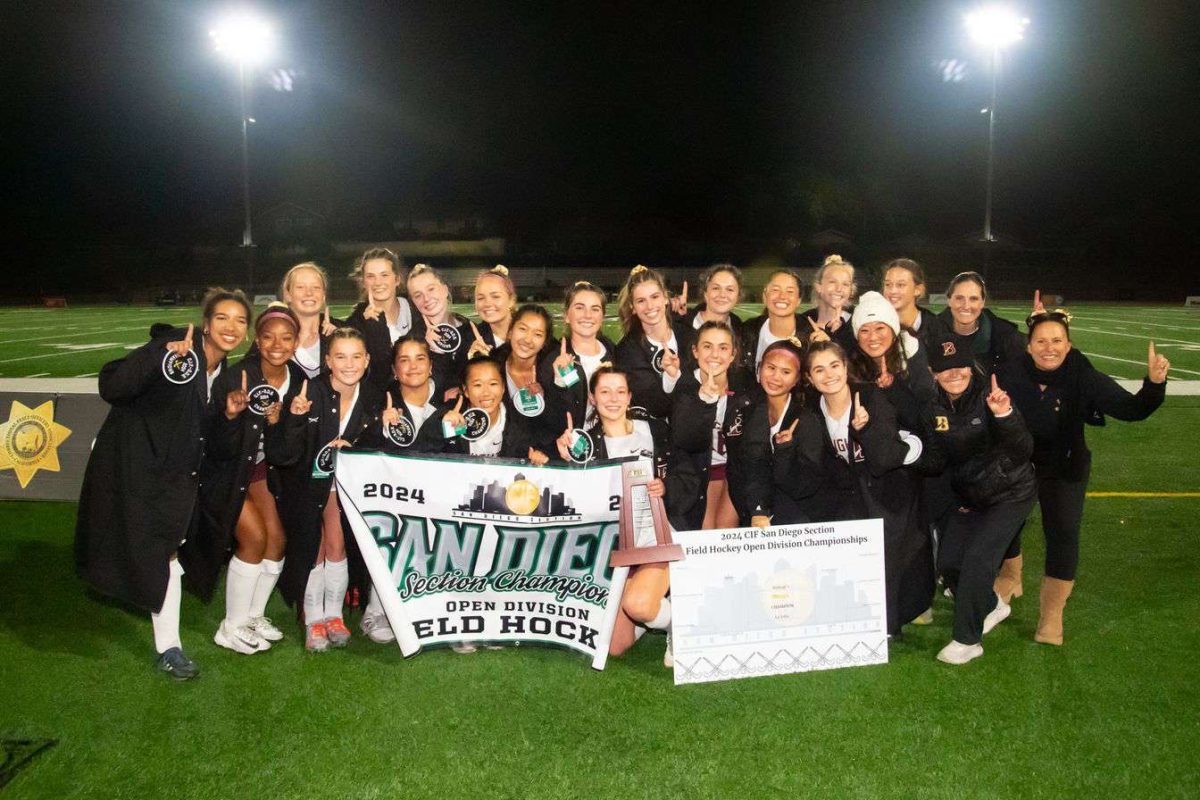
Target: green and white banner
{"points": [[487, 550]]}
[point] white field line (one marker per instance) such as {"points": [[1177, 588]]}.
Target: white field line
{"points": [[1132, 361], [1140, 322], [1142, 336], [73, 353], [38, 375], [104, 330]]}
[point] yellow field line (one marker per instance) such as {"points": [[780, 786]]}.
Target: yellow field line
{"points": [[1143, 494]]}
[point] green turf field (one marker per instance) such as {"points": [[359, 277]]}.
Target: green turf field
{"points": [[1114, 711]]}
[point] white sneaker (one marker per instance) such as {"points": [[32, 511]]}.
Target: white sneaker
{"points": [[957, 653], [377, 629], [240, 639], [996, 615], [669, 653], [463, 648], [265, 629]]}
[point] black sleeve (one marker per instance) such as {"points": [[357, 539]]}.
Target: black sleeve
{"points": [[798, 468], [756, 463], [225, 435], [883, 448], [283, 442], [645, 385], [125, 379], [1105, 395], [691, 421], [1010, 435]]}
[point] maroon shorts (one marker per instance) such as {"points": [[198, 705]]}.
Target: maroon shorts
{"points": [[259, 473], [716, 472]]}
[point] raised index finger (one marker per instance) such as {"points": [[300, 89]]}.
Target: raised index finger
{"points": [[1037, 298], [188, 336], [474, 330], [792, 428], [389, 400], [458, 403], [243, 380], [684, 293], [1153, 352], [304, 389], [564, 345], [570, 423], [995, 385]]}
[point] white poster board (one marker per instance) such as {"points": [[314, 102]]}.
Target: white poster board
{"points": [[771, 601]]}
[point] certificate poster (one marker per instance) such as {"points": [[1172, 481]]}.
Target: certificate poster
{"points": [[770, 601]]}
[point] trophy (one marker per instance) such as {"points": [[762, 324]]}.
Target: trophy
{"points": [[645, 535]]}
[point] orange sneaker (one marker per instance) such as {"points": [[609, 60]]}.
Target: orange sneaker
{"points": [[316, 639], [338, 633]]}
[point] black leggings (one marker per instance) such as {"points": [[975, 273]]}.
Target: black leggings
{"points": [[1062, 515], [971, 548]]}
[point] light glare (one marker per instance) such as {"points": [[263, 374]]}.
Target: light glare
{"points": [[996, 26], [243, 37]]}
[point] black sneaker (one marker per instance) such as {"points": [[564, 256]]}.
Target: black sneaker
{"points": [[177, 665]]}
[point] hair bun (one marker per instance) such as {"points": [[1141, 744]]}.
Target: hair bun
{"points": [[792, 340], [832, 258], [639, 268], [418, 269], [499, 269]]}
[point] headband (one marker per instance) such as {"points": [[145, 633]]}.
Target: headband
{"points": [[267, 316]]}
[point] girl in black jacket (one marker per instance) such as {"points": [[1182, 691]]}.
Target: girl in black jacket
{"points": [[861, 466], [381, 316], [722, 287], [530, 338], [832, 293], [238, 488], [621, 432], [903, 286], [336, 410], [448, 333], [138, 501], [655, 349], [779, 320], [708, 421], [495, 299], [305, 288], [1057, 390], [479, 424], [564, 373], [978, 441]]}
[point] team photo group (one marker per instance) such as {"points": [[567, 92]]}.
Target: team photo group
{"points": [[838, 402]]}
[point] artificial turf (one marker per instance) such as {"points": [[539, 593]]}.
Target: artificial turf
{"points": [[1113, 711]]}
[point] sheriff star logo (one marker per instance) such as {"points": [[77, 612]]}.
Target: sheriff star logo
{"points": [[29, 440]]}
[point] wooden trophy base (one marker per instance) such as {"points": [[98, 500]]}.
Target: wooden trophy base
{"points": [[646, 555]]}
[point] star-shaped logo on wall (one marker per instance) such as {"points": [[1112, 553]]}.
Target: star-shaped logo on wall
{"points": [[29, 440]]}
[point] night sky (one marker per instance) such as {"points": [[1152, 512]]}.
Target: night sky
{"points": [[676, 121]]}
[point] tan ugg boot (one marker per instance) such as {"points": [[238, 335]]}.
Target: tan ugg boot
{"points": [[1008, 581], [1054, 599]]}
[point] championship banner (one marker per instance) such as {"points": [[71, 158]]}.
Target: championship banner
{"points": [[470, 550], [771, 601]]}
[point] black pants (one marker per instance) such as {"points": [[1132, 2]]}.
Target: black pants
{"points": [[972, 545], [1062, 516]]}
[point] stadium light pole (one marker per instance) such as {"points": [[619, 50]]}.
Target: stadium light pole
{"points": [[246, 39], [995, 27]]}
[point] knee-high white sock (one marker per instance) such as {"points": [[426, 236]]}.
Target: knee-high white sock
{"points": [[268, 576], [239, 590], [166, 622], [662, 620], [374, 605], [314, 595], [337, 580]]}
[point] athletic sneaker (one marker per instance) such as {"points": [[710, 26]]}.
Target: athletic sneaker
{"points": [[669, 654], [240, 639], [338, 633], [177, 665], [316, 638], [377, 629], [265, 629], [996, 615], [958, 653]]}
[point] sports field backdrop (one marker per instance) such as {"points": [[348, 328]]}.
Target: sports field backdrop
{"points": [[1112, 713]]}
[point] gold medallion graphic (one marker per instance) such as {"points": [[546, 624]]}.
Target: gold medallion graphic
{"points": [[522, 496], [30, 440]]}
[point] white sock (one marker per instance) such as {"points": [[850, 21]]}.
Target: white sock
{"points": [[166, 622], [374, 605], [314, 595], [337, 580], [239, 590], [662, 620], [267, 578]]}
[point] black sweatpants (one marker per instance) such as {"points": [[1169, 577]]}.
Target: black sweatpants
{"points": [[973, 544], [1062, 517]]}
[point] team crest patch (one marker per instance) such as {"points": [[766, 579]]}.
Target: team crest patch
{"points": [[447, 338], [478, 424], [582, 447], [262, 397], [403, 433], [180, 369], [948, 349], [657, 359], [324, 462]]}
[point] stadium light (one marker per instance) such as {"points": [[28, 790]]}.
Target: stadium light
{"points": [[247, 40], [994, 27]]}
